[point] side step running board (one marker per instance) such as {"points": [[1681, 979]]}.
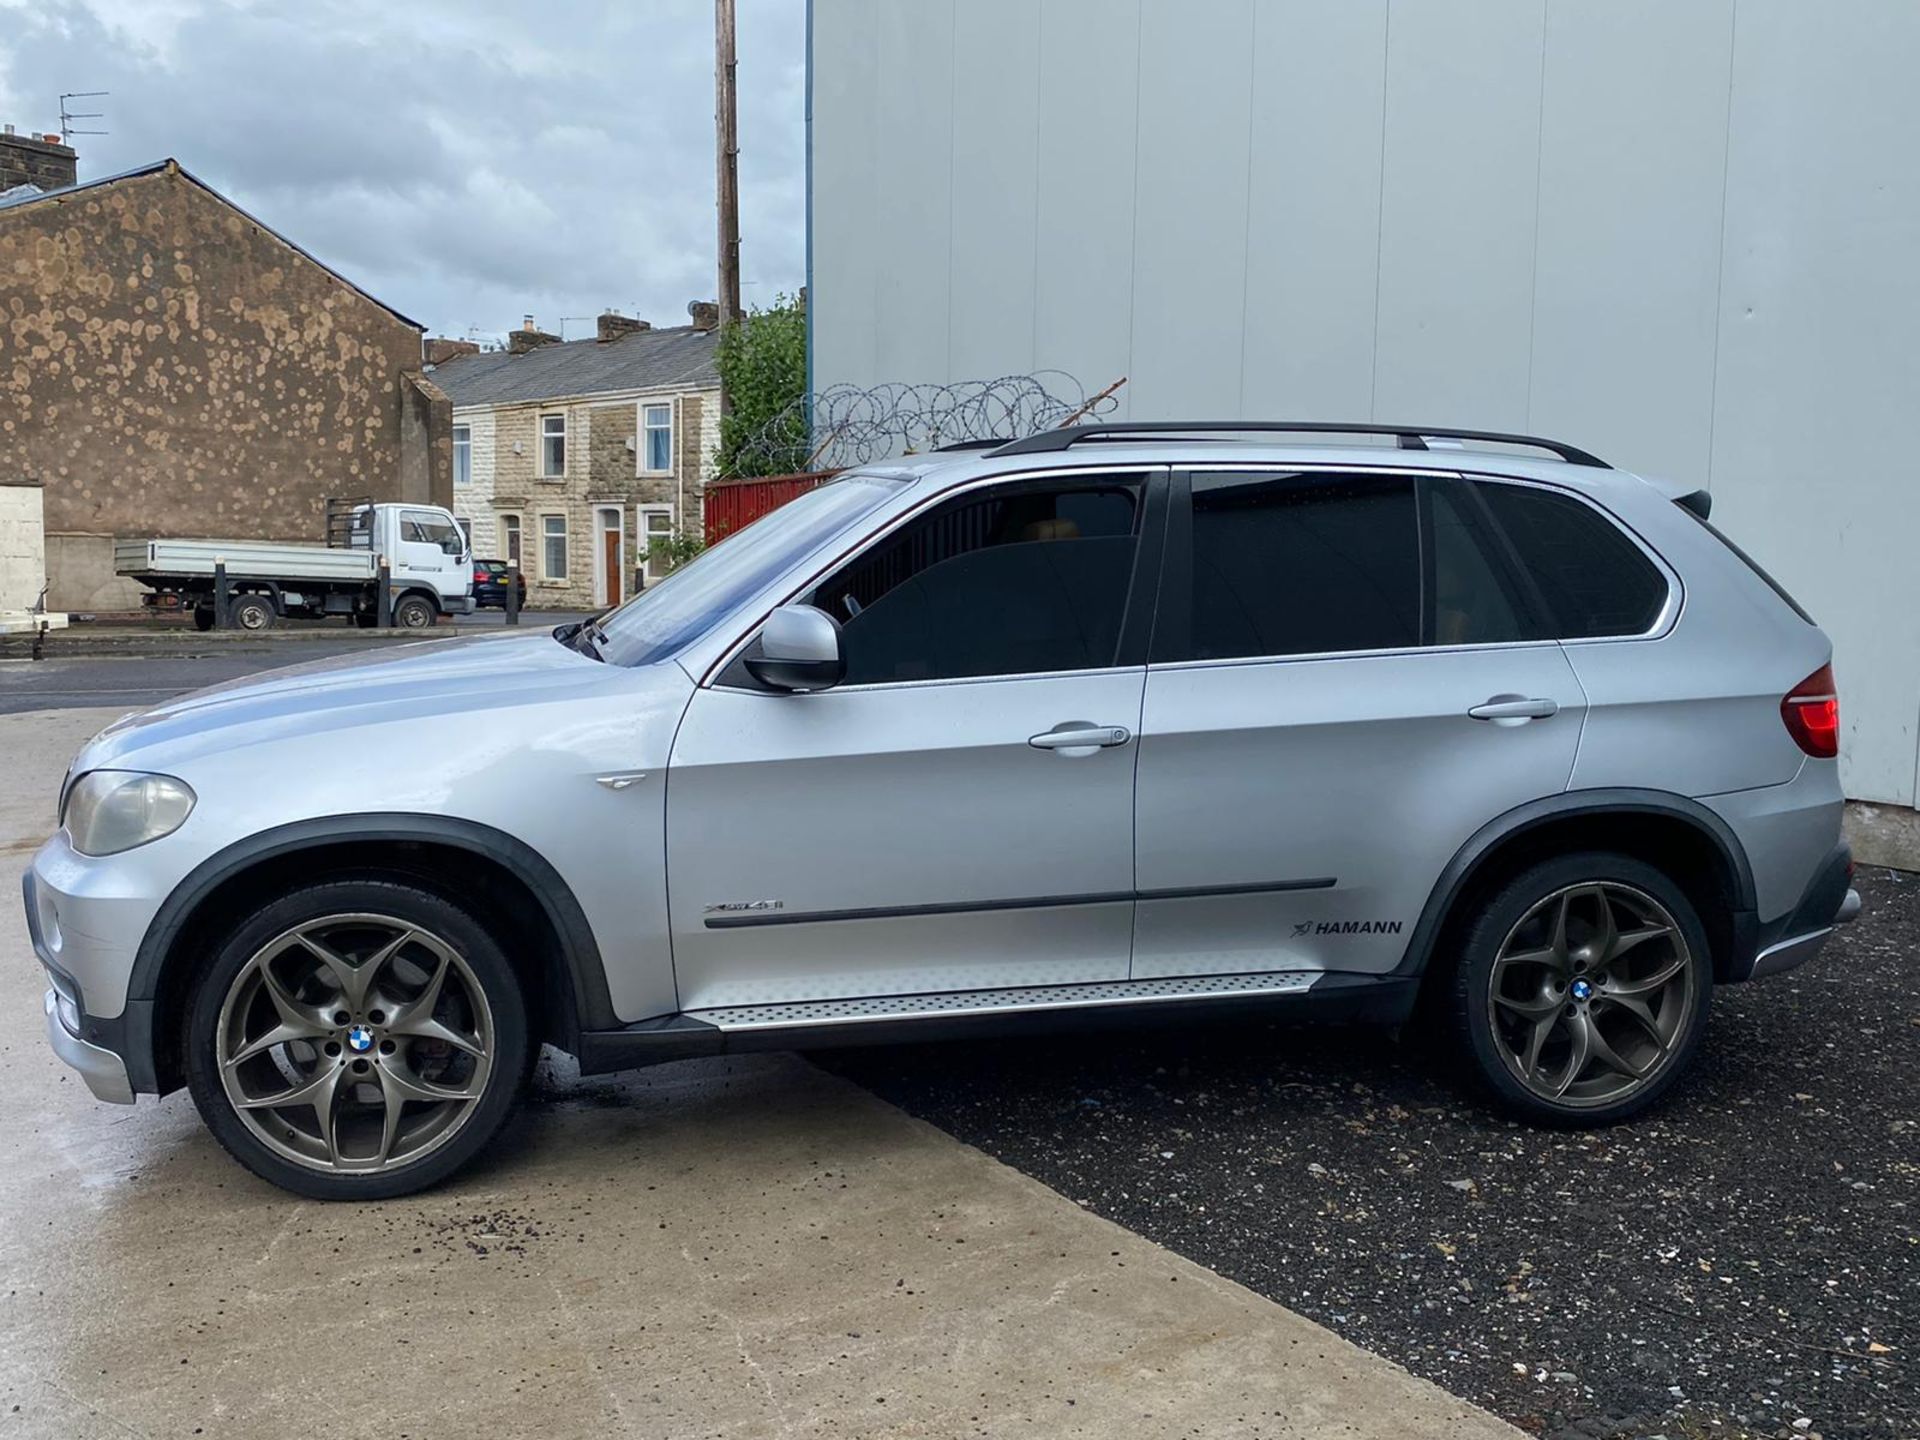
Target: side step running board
{"points": [[1001, 1002], [972, 1014]]}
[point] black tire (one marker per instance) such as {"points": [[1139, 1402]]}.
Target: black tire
{"points": [[510, 1057], [414, 612], [1528, 898], [251, 612], [203, 617], [365, 620]]}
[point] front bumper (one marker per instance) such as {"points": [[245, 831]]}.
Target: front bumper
{"points": [[85, 919], [104, 1071]]}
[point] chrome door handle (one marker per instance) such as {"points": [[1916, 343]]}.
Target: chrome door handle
{"points": [[1078, 737], [1514, 708]]}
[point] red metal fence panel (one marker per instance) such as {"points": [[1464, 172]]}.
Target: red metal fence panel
{"points": [[735, 504]]}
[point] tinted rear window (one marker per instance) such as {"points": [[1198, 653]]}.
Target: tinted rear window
{"points": [[1594, 580], [1303, 565]]}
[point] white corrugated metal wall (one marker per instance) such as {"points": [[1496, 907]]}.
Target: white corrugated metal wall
{"points": [[1686, 236]]}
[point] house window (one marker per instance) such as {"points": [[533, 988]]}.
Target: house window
{"points": [[553, 446], [657, 427], [510, 527], [553, 542], [462, 454]]}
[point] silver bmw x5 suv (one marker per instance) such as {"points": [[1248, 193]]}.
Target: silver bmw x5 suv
{"points": [[1111, 722]]}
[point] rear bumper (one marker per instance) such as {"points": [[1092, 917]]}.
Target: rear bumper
{"points": [[1830, 901]]}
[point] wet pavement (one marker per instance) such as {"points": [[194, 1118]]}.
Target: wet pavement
{"points": [[738, 1248], [1743, 1261]]}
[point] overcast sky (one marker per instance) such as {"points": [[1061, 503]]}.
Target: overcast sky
{"points": [[466, 161]]}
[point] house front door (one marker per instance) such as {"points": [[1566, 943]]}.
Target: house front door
{"points": [[612, 548]]}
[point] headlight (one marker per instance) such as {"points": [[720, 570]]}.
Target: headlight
{"points": [[113, 810]]}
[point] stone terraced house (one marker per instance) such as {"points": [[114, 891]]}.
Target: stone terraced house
{"points": [[574, 457]]}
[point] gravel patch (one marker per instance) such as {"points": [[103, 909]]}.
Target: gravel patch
{"points": [[1743, 1262]]}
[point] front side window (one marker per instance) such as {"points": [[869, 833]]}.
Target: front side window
{"points": [[553, 446], [553, 541], [462, 454], [1019, 580], [1297, 565], [657, 432], [1593, 580], [423, 527]]}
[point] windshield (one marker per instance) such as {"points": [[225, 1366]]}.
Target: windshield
{"points": [[666, 617]]}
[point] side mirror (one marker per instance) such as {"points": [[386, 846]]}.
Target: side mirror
{"points": [[799, 650]]}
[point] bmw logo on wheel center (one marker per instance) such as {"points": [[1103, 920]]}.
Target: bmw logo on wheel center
{"points": [[1581, 990], [360, 1038]]}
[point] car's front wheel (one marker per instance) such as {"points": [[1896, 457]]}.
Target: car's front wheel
{"points": [[1581, 989], [356, 1039]]}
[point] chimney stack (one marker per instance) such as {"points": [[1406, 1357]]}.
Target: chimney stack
{"points": [[705, 313], [615, 326], [441, 349], [37, 160], [526, 338]]}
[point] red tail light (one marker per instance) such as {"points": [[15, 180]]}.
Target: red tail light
{"points": [[1812, 712]]}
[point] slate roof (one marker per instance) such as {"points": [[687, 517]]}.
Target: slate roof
{"points": [[23, 196], [648, 360]]}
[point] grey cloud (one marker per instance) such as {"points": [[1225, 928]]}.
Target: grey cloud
{"points": [[467, 163]]}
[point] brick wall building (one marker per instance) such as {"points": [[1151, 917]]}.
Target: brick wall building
{"points": [[574, 457], [171, 366]]}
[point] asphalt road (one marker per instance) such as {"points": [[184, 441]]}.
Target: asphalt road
{"points": [[1745, 1261], [136, 681]]}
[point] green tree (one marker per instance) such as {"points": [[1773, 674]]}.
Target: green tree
{"points": [[763, 364]]}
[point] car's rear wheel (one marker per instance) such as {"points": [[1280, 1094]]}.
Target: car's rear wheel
{"points": [[1582, 987], [356, 1040]]}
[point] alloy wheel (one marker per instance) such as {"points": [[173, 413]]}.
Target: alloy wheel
{"points": [[1591, 994], [355, 1043]]}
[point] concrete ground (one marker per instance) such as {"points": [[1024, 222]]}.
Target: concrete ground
{"points": [[726, 1248]]}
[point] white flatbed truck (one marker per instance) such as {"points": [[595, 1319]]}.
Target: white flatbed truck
{"points": [[430, 570]]}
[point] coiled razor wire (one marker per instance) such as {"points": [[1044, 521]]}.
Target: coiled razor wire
{"points": [[847, 425]]}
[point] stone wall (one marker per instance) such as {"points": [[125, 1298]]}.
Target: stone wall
{"points": [[36, 160], [167, 367]]}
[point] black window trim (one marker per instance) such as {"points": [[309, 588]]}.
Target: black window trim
{"points": [[1175, 567], [1136, 621]]}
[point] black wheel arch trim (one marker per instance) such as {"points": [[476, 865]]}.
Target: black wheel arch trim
{"points": [[584, 972], [1618, 801]]}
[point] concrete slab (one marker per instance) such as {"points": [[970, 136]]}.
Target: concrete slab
{"points": [[718, 1248]]}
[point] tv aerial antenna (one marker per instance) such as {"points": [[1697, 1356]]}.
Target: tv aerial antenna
{"points": [[67, 116]]}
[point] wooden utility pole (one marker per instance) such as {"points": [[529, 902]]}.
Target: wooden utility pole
{"points": [[727, 126]]}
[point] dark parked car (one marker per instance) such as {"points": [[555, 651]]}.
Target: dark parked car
{"points": [[490, 584]]}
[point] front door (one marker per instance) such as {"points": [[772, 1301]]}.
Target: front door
{"points": [[1310, 754], [926, 827], [428, 553], [612, 557]]}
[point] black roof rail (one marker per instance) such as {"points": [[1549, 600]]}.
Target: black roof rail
{"points": [[1407, 437], [991, 442]]}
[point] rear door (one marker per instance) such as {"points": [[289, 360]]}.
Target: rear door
{"points": [[1340, 693]]}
